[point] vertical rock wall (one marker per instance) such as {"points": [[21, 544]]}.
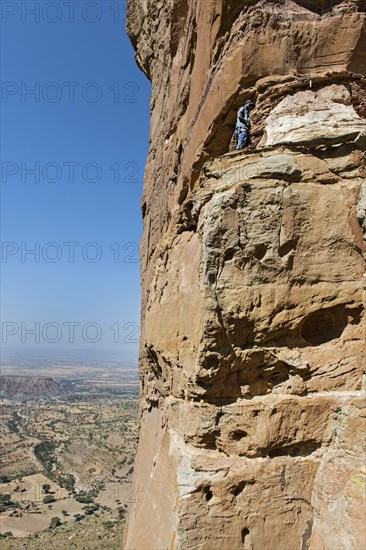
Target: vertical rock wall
{"points": [[253, 335]]}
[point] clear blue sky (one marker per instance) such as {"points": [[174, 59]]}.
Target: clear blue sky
{"points": [[90, 106]]}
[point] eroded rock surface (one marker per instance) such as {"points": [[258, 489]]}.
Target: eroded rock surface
{"points": [[253, 336]]}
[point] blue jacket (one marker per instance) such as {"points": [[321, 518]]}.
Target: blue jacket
{"points": [[243, 118]]}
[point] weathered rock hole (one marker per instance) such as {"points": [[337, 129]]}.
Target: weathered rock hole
{"points": [[153, 404], [317, 7], [325, 325], [219, 415], [244, 534], [277, 378], [238, 435], [208, 439], [239, 489], [303, 448], [260, 251], [211, 278], [212, 362], [208, 494], [229, 254], [286, 247]]}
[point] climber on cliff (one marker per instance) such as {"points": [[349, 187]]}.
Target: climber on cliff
{"points": [[241, 134]]}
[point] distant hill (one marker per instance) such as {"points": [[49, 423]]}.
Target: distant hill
{"points": [[28, 386]]}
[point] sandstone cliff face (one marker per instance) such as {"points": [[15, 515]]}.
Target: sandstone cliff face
{"points": [[252, 353]]}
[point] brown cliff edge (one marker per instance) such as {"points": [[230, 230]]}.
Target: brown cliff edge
{"points": [[252, 415]]}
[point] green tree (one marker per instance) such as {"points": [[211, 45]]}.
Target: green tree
{"points": [[121, 512], [90, 509], [46, 487], [68, 482], [107, 524], [55, 522], [4, 479], [48, 499], [84, 499]]}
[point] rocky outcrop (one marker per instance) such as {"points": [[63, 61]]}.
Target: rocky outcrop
{"points": [[252, 351]]}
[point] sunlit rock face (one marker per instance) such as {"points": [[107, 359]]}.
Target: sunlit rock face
{"points": [[253, 335]]}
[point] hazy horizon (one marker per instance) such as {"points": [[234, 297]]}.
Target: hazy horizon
{"points": [[59, 357]]}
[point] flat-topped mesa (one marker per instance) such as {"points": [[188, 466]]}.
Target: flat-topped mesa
{"points": [[252, 345], [31, 386]]}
